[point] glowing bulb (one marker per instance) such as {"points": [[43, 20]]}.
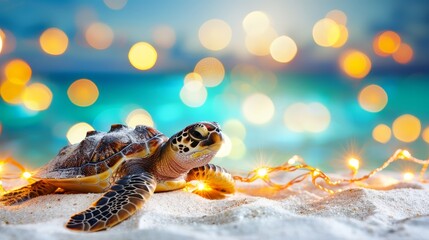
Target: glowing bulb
{"points": [[1, 166], [404, 154], [408, 176], [316, 173], [354, 164], [262, 172], [292, 160], [202, 186], [142, 56], [26, 175]]}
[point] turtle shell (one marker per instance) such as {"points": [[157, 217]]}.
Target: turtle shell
{"points": [[100, 151]]}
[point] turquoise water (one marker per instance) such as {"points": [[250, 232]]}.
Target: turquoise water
{"points": [[34, 138]]}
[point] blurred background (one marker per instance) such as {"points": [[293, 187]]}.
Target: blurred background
{"points": [[326, 80]]}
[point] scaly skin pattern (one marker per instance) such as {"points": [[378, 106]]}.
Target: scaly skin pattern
{"points": [[129, 164]]}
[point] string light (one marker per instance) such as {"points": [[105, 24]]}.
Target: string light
{"points": [[26, 175]]}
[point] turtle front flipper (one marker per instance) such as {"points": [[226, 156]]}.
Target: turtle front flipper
{"points": [[119, 203], [36, 189], [210, 181]]}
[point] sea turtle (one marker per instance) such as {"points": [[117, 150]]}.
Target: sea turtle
{"points": [[129, 165]]}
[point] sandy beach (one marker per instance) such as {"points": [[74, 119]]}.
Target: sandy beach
{"points": [[398, 211]]}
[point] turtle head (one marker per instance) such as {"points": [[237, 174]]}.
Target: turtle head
{"points": [[195, 145]]}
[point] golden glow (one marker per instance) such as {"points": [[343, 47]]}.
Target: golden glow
{"points": [[338, 16], [234, 127], [354, 164], [26, 175], [404, 154], [258, 108], [404, 54], [301, 117], [386, 43], [262, 172], [211, 70], [17, 71], [115, 4], [215, 34], [315, 173], [283, 49], [382, 133], [193, 94], [408, 176], [139, 117], [201, 186], [326, 32], [37, 97], [142, 56], [256, 23], [11, 92], [83, 92], [406, 128], [425, 135], [99, 35], [344, 36], [1, 42], [78, 132], [373, 98], [193, 76], [164, 36], [54, 41], [355, 64], [259, 45], [226, 147]]}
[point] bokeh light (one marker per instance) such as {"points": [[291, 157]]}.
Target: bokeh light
{"points": [[256, 23], [211, 70], [18, 71], [408, 176], [1, 42], [37, 97], [8, 42], [11, 92], [193, 76], [326, 32], [238, 149], [342, 39], [164, 36], [226, 147], [382, 133], [386, 43], [234, 128], [54, 41], [283, 49], [373, 98], [77, 132], [355, 64], [404, 54], [406, 128], [425, 134], [215, 34], [313, 117], [139, 117], [338, 16], [142, 56], [99, 35], [115, 4], [193, 94], [83, 92], [258, 108], [259, 45]]}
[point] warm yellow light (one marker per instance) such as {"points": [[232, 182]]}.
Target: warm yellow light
{"points": [[382, 133], [17, 71], [342, 39], [354, 164], [292, 160], [256, 23], [1, 43], [338, 16], [226, 147], [326, 32], [283, 49], [355, 64], [139, 117], [11, 92], [115, 4], [37, 97], [404, 54], [408, 176], [406, 128], [193, 76], [259, 45], [201, 186], [315, 173], [211, 70], [1, 166], [425, 134], [404, 154], [99, 35], [83, 92], [164, 36], [262, 172], [258, 108], [54, 41], [26, 175], [387, 42], [142, 56], [373, 98], [193, 94], [215, 34], [78, 132]]}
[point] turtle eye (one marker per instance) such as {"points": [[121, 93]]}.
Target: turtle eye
{"points": [[198, 133]]}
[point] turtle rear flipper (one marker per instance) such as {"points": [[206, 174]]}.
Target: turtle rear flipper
{"points": [[119, 203], [36, 189]]}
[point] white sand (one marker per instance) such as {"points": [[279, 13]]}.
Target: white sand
{"points": [[400, 212]]}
